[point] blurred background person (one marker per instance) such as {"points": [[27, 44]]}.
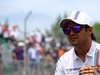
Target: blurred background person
{"points": [[41, 51], [33, 54], [1, 31], [48, 64], [38, 36], [14, 32], [1, 63], [6, 32], [18, 55], [61, 51]]}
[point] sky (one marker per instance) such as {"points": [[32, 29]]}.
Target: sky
{"points": [[44, 13]]}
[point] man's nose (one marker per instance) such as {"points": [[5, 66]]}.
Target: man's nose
{"points": [[72, 32]]}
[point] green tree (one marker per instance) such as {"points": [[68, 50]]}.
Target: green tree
{"points": [[96, 31], [56, 31]]}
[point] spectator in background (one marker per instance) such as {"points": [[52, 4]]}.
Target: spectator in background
{"points": [[1, 31], [54, 55], [0, 54], [33, 54], [14, 32], [61, 51], [27, 42], [48, 64], [12, 39], [43, 39], [38, 36], [32, 37], [18, 57], [32, 33], [49, 39], [6, 32], [41, 51], [14, 68], [1, 63], [18, 52]]}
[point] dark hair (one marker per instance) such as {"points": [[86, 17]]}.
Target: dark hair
{"points": [[93, 37]]}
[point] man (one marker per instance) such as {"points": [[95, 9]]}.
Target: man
{"points": [[18, 55], [82, 59], [33, 54]]}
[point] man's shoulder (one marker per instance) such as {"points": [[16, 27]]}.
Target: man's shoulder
{"points": [[97, 45], [67, 55], [65, 58]]}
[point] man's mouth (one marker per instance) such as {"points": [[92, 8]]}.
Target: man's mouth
{"points": [[73, 38]]}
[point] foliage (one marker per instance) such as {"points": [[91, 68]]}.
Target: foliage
{"points": [[56, 31], [96, 31]]}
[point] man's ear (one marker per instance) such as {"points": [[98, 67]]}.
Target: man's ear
{"points": [[90, 30]]}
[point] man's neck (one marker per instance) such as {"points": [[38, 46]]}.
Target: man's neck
{"points": [[81, 51]]}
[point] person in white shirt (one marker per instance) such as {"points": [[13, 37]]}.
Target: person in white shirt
{"points": [[49, 39], [38, 36], [33, 54], [14, 32], [83, 58]]}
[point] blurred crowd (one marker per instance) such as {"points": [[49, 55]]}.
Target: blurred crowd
{"points": [[35, 48]]}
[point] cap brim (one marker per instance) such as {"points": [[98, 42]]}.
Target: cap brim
{"points": [[64, 22]]}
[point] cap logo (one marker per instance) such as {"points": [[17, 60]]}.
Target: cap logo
{"points": [[76, 15]]}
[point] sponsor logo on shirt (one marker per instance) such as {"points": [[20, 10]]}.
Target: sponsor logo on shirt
{"points": [[73, 69]]}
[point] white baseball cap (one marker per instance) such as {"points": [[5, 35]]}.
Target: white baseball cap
{"points": [[21, 44], [77, 17]]}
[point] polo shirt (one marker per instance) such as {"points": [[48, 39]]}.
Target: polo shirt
{"points": [[32, 52], [19, 53], [70, 63]]}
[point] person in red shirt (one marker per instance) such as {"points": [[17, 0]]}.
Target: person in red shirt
{"points": [[6, 33]]}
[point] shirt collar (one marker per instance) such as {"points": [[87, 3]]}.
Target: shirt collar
{"points": [[92, 49], [74, 54], [89, 53]]}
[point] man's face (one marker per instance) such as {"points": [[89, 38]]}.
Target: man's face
{"points": [[79, 38], [21, 47]]}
